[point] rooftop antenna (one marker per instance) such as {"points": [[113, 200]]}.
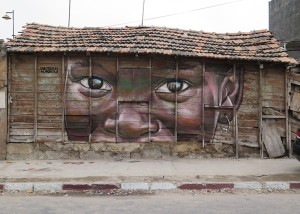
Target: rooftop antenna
{"points": [[69, 13], [143, 12]]}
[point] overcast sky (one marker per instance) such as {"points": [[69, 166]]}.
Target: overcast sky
{"points": [[218, 16]]}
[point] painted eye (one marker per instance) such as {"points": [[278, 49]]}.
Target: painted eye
{"points": [[173, 86], [95, 83]]}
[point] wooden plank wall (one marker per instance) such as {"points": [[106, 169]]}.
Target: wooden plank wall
{"points": [[37, 108], [49, 98], [36, 99], [294, 79], [273, 96], [248, 113], [22, 92]]}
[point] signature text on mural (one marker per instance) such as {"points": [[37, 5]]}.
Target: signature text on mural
{"points": [[49, 70]]}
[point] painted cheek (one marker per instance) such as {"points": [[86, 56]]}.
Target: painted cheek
{"points": [[162, 110], [75, 103], [211, 90], [189, 114], [189, 119]]}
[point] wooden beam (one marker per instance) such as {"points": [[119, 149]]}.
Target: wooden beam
{"points": [[203, 106], [261, 66], [235, 120], [63, 85], [273, 117], [117, 92], [287, 104], [218, 107], [9, 66], [294, 82], [150, 100], [35, 80], [90, 100], [176, 98]]}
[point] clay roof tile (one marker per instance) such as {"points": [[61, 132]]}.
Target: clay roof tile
{"points": [[259, 45]]}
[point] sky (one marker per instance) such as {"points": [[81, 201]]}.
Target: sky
{"points": [[218, 16]]}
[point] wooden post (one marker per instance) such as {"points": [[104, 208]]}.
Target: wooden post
{"points": [[90, 100], [261, 66], [9, 75], [117, 113], [150, 101], [63, 84], [176, 98], [65, 89], [235, 120], [202, 107], [287, 105], [35, 98]]}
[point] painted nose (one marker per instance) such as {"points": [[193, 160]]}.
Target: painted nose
{"points": [[131, 124]]}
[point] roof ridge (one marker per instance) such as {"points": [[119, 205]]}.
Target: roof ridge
{"points": [[147, 27]]}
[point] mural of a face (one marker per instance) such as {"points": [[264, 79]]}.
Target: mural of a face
{"points": [[158, 104]]}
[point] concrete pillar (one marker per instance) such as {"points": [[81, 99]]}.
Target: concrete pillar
{"points": [[3, 100]]}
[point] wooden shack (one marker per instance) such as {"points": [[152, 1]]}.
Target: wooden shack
{"points": [[181, 90]]}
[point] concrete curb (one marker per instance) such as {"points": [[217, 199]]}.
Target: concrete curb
{"points": [[31, 187]]}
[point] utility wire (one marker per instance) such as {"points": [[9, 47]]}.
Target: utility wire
{"points": [[175, 14]]}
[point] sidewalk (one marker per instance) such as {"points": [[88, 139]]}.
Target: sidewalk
{"points": [[150, 174]]}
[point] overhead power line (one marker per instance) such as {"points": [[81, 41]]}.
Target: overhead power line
{"points": [[179, 13]]}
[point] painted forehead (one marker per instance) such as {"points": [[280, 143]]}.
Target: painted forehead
{"points": [[82, 69]]}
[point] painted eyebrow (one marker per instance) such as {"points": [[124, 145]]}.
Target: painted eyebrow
{"points": [[79, 71]]}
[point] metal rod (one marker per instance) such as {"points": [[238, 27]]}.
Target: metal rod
{"points": [[6, 17], [13, 19], [143, 12], [69, 13]]}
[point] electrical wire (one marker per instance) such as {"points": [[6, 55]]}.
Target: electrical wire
{"points": [[179, 13]]}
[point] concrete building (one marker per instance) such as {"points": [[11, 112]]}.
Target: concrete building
{"points": [[284, 23]]}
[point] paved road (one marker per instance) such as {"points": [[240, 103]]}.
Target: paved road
{"points": [[162, 203]]}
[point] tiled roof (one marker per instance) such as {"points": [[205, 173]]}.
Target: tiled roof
{"points": [[254, 46]]}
